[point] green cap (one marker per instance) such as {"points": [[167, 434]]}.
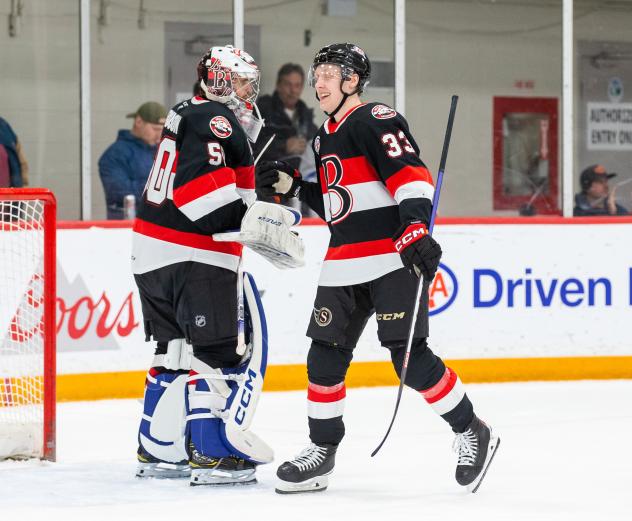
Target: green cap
{"points": [[150, 112]]}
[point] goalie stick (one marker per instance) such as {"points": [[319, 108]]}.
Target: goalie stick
{"points": [[420, 283], [241, 336]]}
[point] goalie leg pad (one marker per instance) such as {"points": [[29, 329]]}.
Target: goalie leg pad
{"points": [[243, 404], [161, 434], [222, 402]]}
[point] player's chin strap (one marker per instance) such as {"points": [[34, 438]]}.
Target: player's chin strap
{"points": [[232, 394], [333, 113]]}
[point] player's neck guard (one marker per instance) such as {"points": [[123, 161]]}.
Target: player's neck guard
{"points": [[250, 120]]}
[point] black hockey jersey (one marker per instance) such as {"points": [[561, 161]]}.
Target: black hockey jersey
{"points": [[202, 174], [370, 180]]}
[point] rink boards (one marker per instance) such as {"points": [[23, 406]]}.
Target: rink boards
{"points": [[514, 299]]}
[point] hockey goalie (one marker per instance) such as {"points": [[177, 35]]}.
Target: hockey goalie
{"points": [[210, 357]]}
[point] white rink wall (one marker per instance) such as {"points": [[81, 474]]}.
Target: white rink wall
{"points": [[503, 291]]}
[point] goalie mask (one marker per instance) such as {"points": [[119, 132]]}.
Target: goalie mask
{"points": [[230, 76]]}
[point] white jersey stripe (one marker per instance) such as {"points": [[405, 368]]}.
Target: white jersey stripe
{"points": [[450, 400], [325, 411], [210, 202], [415, 189], [370, 195], [149, 254], [347, 272]]}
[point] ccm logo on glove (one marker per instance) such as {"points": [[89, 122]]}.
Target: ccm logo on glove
{"points": [[412, 233]]}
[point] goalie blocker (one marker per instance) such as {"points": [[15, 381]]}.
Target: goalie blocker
{"points": [[217, 415]]}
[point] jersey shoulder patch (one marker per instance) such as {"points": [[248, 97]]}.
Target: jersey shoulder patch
{"points": [[383, 112], [221, 127]]}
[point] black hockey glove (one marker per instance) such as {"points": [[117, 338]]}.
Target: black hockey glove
{"points": [[420, 253], [277, 178]]}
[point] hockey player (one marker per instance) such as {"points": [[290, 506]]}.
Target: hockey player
{"points": [[201, 183], [375, 194]]}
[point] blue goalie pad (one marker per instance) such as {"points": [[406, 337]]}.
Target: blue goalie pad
{"points": [[222, 402], [162, 427]]}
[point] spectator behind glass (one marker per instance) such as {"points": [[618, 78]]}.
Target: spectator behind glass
{"points": [[13, 166], [292, 122], [596, 198], [125, 165]]}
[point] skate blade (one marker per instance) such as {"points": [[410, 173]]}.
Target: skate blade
{"points": [[317, 484], [163, 471], [215, 478], [494, 443]]}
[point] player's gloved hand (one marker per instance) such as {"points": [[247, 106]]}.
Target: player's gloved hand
{"points": [[420, 253], [277, 178]]}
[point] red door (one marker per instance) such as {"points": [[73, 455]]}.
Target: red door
{"points": [[525, 155]]}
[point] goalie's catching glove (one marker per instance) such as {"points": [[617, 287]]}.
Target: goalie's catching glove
{"points": [[277, 178], [420, 253]]}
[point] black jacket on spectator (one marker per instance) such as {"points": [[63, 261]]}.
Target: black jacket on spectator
{"points": [[277, 122]]}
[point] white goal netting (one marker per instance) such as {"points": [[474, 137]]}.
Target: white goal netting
{"points": [[22, 344]]}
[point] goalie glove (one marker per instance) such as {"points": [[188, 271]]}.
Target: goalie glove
{"points": [[266, 229], [277, 178], [420, 253]]}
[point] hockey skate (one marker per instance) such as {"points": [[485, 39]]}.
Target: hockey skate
{"points": [[150, 467], [308, 471], [231, 470], [476, 448]]}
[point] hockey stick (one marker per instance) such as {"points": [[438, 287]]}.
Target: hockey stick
{"points": [[241, 322], [265, 147], [420, 283]]}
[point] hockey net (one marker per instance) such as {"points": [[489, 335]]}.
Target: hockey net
{"points": [[27, 323]]}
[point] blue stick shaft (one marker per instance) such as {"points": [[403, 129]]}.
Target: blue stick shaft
{"points": [[444, 157], [435, 205]]}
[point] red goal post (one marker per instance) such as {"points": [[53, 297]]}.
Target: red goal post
{"points": [[27, 323]]}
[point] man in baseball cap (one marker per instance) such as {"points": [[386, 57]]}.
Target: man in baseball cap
{"points": [[125, 165], [150, 112], [596, 198]]}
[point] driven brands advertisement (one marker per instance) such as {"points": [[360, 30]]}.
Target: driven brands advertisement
{"points": [[502, 291]]}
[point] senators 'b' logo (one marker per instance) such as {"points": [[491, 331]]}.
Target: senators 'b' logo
{"points": [[340, 198]]}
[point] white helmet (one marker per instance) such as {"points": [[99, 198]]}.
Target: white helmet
{"points": [[230, 76]]}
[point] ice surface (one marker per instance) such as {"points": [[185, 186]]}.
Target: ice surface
{"points": [[565, 455]]}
